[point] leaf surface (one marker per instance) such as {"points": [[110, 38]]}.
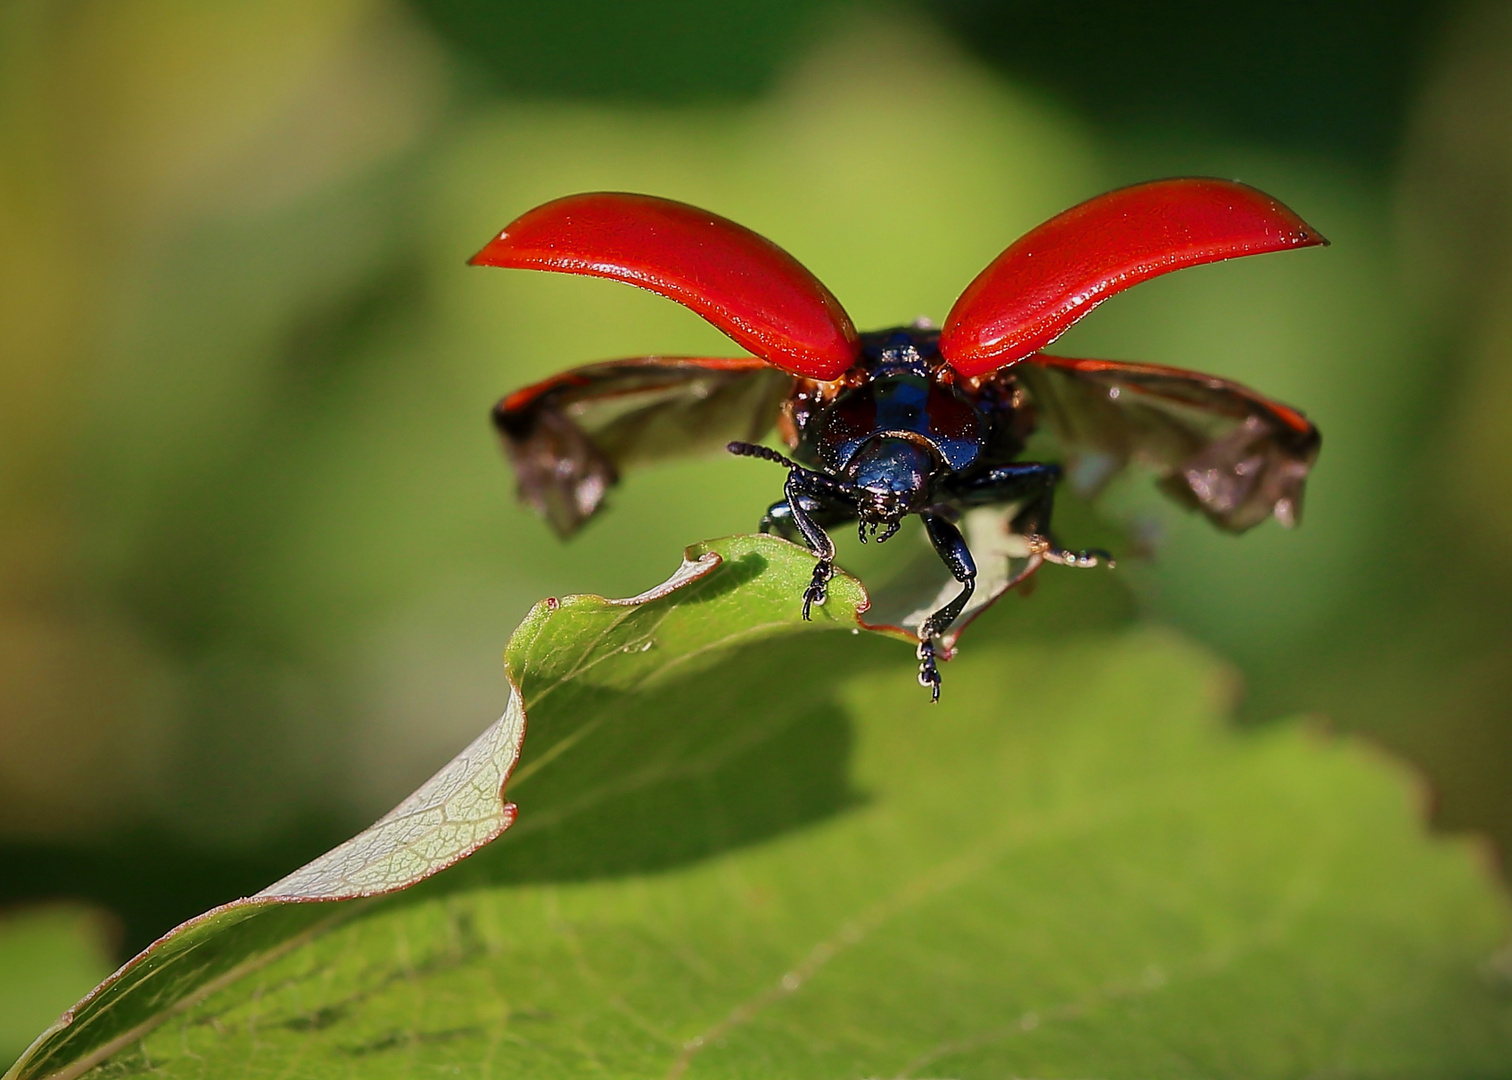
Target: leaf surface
{"points": [[747, 851]]}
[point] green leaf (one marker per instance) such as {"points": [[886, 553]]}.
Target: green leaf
{"points": [[743, 851]]}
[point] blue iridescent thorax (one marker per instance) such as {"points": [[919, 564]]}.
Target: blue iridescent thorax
{"points": [[901, 399]]}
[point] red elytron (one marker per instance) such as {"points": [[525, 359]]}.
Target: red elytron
{"points": [[910, 420]]}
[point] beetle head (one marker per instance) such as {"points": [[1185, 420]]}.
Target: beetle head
{"points": [[892, 477]]}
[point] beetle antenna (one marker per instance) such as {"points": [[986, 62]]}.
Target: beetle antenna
{"points": [[819, 482], [765, 453]]}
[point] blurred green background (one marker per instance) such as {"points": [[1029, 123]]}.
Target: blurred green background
{"points": [[259, 554]]}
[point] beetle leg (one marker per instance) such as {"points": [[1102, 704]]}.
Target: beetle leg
{"points": [[799, 490], [1034, 481], [951, 547], [827, 513], [779, 519]]}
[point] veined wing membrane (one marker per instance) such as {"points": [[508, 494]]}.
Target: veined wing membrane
{"points": [[570, 437], [1216, 445]]}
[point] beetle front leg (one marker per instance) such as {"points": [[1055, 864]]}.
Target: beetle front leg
{"points": [[800, 497], [950, 545]]}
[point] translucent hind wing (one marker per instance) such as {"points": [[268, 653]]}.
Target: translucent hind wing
{"points": [[570, 437], [1215, 445]]}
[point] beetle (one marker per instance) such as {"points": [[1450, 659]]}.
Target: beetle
{"points": [[910, 420]]}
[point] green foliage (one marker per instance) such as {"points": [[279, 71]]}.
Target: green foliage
{"points": [[747, 850], [664, 51], [49, 955]]}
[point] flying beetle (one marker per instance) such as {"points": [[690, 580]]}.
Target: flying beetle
{"points": [[910, 419]]}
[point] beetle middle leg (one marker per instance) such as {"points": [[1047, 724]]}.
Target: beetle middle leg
{"points": [[1035, 483], [951, 547]]}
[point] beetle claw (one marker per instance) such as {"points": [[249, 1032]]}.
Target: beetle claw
{"points": [[929, 671], [1080, 559], [817, 590], [1050, 551]]}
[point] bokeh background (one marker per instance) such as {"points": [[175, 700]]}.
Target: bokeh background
{"points": [[259, 554]]}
